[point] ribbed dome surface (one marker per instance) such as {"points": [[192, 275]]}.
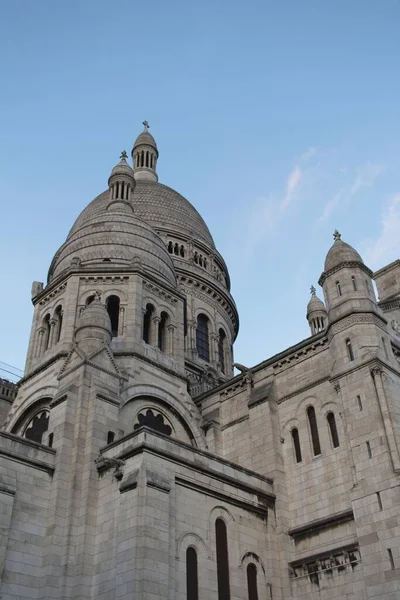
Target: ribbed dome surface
{"points": [[115, 238], [160, 206], [315, 304], [145, 138], [340, 253]]}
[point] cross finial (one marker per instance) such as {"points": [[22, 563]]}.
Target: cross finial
{"points": [[124, 154], [336, 235], [312, 290], [146, 125]]}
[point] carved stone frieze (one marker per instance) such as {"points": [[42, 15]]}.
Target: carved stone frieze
{"points": [[326, 565], [55, 292], [355, 319], [108, 279], [158, 291], [300, 355]]}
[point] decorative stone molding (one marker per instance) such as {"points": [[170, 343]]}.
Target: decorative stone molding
{"points": [[157, 481], [55, 292], [355, 319], [389, 305], [349, 265], [107, 279], [326, 564], [158, 291], [300, 355], [313, 527]]}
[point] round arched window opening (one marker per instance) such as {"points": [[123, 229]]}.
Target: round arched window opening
{"points": [[154, 421], [37, 427]]}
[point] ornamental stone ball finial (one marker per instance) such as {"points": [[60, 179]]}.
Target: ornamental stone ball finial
{"points": [[336, 235], [313, 290], [124, 154], [146, 125]]}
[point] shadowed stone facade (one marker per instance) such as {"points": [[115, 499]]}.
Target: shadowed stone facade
{"points": [[135, 465]]}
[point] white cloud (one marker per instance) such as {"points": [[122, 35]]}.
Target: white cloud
{"points": [[292, 185], [386, 247], [363, 176]]}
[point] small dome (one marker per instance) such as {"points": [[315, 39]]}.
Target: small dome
{"points": [[340, 253], [315, 304], [145, 138], [94, 322], [122, 168]]}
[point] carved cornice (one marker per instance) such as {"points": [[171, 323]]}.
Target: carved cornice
{"points": [[54, 292], [58, 401], [300, 355], [312, 527], [235, 422], [389, 305], [107, 279], [158, 291], [43, 367], [355, 319], [151, 362], [349, 265], [326, 563]]}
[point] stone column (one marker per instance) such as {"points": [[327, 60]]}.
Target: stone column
{"points": [[52, 324], [171, 340], [121, 320], [154, 331], [40, 339]]}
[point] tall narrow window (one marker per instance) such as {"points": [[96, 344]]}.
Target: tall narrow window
{"points": [[113, 312], [338, 288], [192, 582], [296, 445], [162, 331], [350, 350], [312, 419], [46, 324], [353, 281], [221, 349], [222, 560], [59, 320], [147, 323], [252, 581], [333, 429], [202, 338]]}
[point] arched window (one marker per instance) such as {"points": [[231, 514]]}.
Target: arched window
{"points": [[162, 332], [196, 258], [296, 445], [202, 339], [59, 319], [89, 299], [182, 251], [154, 421], [113, 312], [333, 429], [349, 350], [353, 281], [222, 560], [37, 427], [147, 323], [170, 247], [110, 437], [192, 583], [338, 288], [252, 581], [221, 349], [176, 249], [312, 419], [46, 339]]}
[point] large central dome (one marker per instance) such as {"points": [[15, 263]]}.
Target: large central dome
{"points": [[160, 206]]}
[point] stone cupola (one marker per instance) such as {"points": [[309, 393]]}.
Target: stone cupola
{"points": [[121, 184], [317, 315], [94, 326], [144, 156]]}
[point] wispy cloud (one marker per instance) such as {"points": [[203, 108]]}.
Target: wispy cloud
{"points": [[361, 177], [386, 247], [293, 183]]}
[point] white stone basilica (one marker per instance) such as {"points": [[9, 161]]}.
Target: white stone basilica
{"points": [[135, 466]]}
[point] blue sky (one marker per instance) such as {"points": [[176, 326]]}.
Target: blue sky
{"points": [[279, 121]]}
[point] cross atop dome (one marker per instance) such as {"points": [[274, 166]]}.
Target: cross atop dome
{"points": [[313, 290], [146, 125], [124, 154], [336, 235], [145, 155]]}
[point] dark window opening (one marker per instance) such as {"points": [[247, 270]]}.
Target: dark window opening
{"points": [[170, 247], [202, 339], [147, 323], [50, 440], [369, 449], [339, 288], [110, 437], [353, 280], [162, 332], [350, 350], [378, 497], [37, 427], [192, 583], [59, 320], [156, 422], [90, 299], [360, 406], [222, 560], [390, 554], [182, 251], [46, 325], [221, 349], [296, 444], [252, 581], [113, 312], [333, 429], [312, 419], [106, 259]]}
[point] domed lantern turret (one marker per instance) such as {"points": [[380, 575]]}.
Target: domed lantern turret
{"points": [[317, 316], [144, 156], [121, 184]]}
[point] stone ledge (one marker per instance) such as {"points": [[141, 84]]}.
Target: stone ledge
{"points": [[324, 523]]}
